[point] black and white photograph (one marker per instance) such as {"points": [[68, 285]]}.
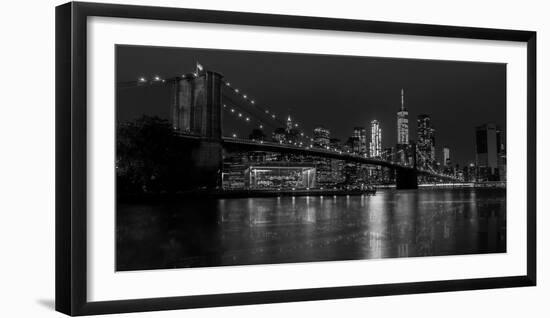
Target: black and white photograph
{"points": [[231, 157], [245, 159]]}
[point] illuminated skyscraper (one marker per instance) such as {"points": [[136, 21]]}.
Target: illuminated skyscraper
{"points": [[360, 140], [425, 140], [289, 125], [402, 123], [321, 137], [446, 156], [375, 139]]}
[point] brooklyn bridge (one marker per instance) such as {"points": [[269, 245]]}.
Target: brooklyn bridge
{"points": [[201, 101]]}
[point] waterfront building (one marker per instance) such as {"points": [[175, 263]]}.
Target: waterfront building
{"points": [[280, 175], [376, 139]]}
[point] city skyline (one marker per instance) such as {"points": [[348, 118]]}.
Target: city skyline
{"points": [[236, 152], [292, 88]]}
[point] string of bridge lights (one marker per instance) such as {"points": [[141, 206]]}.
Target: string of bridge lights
{"points": [[265, 110], [271, 114]]}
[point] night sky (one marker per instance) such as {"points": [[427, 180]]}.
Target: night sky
{"points": [[338, 92]]}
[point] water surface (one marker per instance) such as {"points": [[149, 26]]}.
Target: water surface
{"points": [[404, 223]]}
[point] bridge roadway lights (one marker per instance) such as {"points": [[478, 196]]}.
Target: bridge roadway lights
{"points": [[406, 179]]}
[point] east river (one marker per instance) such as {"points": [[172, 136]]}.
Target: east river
{"points": [[404, 223]]}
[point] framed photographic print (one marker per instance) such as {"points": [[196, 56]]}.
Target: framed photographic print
{"points": [[209, 158]]}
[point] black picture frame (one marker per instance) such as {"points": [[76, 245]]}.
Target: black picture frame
{"points": [[71, 157]]}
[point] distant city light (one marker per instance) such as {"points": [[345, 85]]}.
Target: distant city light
{"points": [[236, 90], [142, 79], [244, 96], [261, 126], [232, 110], [240, 115], [252, 101], [234, 135], [157, 78], [247, 119]]}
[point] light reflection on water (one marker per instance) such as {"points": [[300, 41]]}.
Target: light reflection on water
{"points": [[311, 228]]}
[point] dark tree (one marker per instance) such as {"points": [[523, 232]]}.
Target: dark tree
{"points": [[149, 158]]}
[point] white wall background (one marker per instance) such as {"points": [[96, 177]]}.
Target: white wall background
{"points": [[27, 158]]}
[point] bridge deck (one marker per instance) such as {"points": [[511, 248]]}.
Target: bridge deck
{"points": [[315, 151]]}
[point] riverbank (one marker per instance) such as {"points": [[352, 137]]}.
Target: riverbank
{"points": [[221, 194], [257, 193]]}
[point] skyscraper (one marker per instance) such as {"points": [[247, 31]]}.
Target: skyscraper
{"points": [[425, 140], [489, 148], [402, 123], [446, 156], [360, 138], [289, 125], [375, 139], [321, 137]]}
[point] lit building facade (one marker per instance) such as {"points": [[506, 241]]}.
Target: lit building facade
{"points": [[321, 137], [280, 176], [360, 140], [402, 123], [446, 156], [425, 140], [375, 139]]}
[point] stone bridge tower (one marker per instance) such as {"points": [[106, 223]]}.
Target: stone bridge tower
{"points": [[197, 111], [197, 104]]}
